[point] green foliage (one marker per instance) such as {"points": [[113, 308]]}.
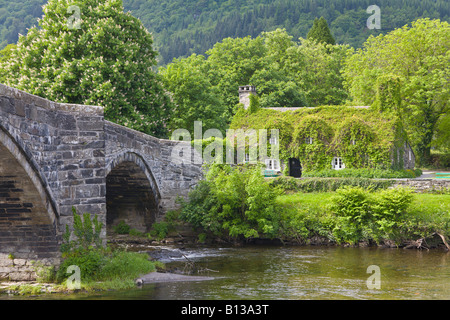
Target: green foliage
{"points": [[393, 215], [86, 233], [354, 142], [16, 17], [388, 96], [96, 262], [363, 138], [107, 61], [160, 230], [441, 139], [440, 160], [180, 28], [352, 208], [320, 32], [44, 274], [195, 98], [328, 184], [90, 263], [254, 103], [286, 73], [417, 56], [121, 228], [233, 202], [96, 265], [311, 139], [365, 216], [122, 264], [365, 173]]}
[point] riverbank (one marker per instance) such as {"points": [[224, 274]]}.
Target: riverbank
{"points": [[415, 221], [281, 272]]}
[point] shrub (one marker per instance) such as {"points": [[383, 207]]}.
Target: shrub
{"points": [[121, 228], [362, 215], [351, 206], [328, 184], [122, 264], [389, 210], [160, 230], [85, 231], [234, 202], [90, 263], [365, 173], [96, 262]]}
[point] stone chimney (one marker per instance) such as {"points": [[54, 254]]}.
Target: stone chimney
{"points": [[244, 95]]}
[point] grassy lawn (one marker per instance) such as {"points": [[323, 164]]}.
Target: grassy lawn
{"points": [[423, 202], [311, 212], [311, 199], [431, 202]]}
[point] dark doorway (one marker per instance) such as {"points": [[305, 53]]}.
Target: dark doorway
{"points": [[295, 168], [129, 198]]}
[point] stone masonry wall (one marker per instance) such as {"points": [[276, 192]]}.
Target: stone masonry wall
{"points": [[169, 179], [55, 156], [59, 147], [423, 185]]}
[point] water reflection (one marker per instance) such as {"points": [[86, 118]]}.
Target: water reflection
{"points": [[307, 273], [303, 273]]}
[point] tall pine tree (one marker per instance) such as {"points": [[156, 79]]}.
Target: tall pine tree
{"points": [[320, 32]]}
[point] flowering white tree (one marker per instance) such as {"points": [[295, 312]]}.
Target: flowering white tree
{"points": [[91, 52]]}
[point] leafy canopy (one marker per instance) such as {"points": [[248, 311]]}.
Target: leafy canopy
{"points": [[410, 68], [286, 73], [104, 58]]}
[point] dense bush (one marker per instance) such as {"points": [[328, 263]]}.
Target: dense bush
{"points": [[234, 202], [83, 248], [361, 215], [238, 203], [327, 184], [122, 228]]}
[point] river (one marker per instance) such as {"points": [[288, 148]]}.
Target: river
{"points": [[302, 272]]}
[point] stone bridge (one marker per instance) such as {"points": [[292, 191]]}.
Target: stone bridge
{"points": [[56, 156]]}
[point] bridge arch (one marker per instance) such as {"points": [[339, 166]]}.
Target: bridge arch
{"points": [[29, 220], [132, 193]]}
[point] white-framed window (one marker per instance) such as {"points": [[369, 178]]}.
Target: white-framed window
{"points": [[247, 157], [272, 164], [337, 163], [273, 140], [309, 140]]}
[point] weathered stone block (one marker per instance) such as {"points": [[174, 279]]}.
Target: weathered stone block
{"points": [[64, 156]]}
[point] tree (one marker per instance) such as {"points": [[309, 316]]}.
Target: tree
{"points": [[318, 71], [194, 96], [286, 74], [5, 54], [320, 32], [92, 53], [418, 55]]}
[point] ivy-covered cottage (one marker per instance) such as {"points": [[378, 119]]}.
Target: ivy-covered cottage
{"points": [[329, 137]]}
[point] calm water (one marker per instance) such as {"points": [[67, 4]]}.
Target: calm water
{"points": [[304, 273]]}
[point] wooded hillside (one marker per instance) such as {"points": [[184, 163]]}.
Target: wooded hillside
{"points": [[182, 27]]}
